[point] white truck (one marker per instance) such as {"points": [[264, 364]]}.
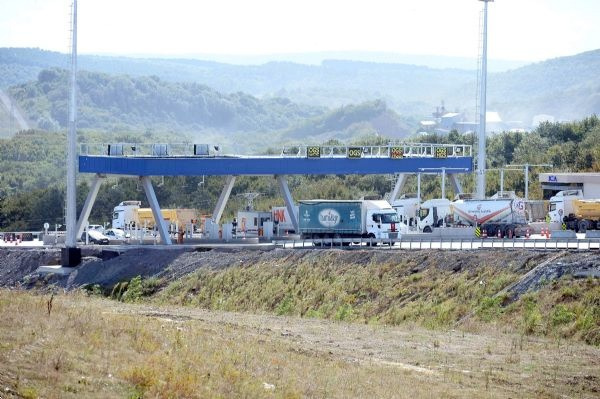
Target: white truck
{"points": [[407, 209], [321, 219], [571, 209], [433, 213], [504, 216], [128, 214]]}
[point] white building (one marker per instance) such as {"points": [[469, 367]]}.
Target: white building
{"points": [[555, 182]]}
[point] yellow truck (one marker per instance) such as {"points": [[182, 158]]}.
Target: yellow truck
{"points": [[576, 213], [586, 213], [129, 214]]}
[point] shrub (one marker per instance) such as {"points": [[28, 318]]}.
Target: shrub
{"points": [[562, 315]]}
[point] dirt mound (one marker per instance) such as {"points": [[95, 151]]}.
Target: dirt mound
{"points": [[15, 264]]}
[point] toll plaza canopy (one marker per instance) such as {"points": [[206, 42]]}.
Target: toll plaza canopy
{"points": [[146, 160], [202, 159]]}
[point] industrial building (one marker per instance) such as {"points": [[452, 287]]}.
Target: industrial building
{"points": [[552, 183]]}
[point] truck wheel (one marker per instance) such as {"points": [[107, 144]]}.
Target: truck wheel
{"points": [[427, 229], [582, 226], [316, 237], [509, 231]]}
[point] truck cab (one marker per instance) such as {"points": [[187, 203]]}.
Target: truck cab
{"points": [[383, 223], [561, 205], [432, 214], [124, 213]]}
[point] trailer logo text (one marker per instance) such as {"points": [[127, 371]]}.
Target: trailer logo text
{"points": [[329, 217]]}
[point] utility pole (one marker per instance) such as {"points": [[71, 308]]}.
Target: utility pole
{"points": [[481, 133], [72, 255]]}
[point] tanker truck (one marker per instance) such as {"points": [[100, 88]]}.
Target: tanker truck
{"points": [[374, 219], [578, 214], [506, 216]]}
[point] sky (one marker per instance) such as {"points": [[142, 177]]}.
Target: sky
{"points": [[525, 30]]}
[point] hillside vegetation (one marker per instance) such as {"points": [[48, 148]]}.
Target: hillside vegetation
{"points": [[143, 104], [122, 102], [566, 87]]}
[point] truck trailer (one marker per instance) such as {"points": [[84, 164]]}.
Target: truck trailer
{"points": [[504, 216], [374, 219], [129, 214], [576, 213]]}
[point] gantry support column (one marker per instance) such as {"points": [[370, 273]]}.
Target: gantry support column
{"points": [[289, 201], [455, 183], [223, 198], [444, 183], [158, 218], [87, 206], [402, 177], [419, 187]]}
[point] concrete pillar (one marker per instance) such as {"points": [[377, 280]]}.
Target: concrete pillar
{"points": [[402, 177], [87, 206], [419, 187], [223, 198], [444, 183], [158, 218], [289, 201], [455, 183]]}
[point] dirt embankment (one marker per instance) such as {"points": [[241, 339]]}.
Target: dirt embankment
{"points": [[106, 268]]}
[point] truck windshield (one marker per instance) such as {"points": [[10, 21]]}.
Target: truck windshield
{"points": [[423, 212], [552, 207], [389, 218], [115, 215]]}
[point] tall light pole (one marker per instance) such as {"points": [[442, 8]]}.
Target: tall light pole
{"points": [[482, 106], [69, 256]]}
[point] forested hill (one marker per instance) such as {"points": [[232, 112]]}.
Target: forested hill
{"points": [[122, 102], [566, 87]]}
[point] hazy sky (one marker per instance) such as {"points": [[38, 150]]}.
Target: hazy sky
{"points": [[528, 30]]}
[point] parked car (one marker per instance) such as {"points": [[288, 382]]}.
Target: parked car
{"points": [[96, 227], [95, 237], [116, 234]]}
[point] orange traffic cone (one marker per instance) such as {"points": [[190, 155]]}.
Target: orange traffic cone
{"points": [[499, 234], [484, 233], [527, 233]]}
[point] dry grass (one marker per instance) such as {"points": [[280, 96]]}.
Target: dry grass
{"points": [[393, 292], [90, 347]]}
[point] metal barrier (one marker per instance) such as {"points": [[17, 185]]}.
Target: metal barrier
{"points": [[445, 244], [392, 150], [398, 150]]}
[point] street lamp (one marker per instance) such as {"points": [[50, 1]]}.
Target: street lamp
{"points": [[482, 110]]}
